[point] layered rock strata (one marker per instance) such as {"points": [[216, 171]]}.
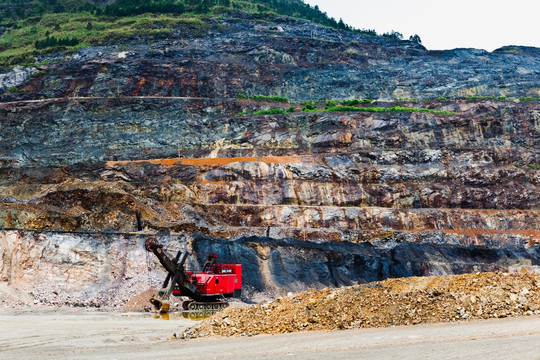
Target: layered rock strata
{"points": [[86, 143], [469, 177]]}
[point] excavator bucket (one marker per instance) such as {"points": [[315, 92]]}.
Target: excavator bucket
{"points": [[160, 305], [160, 301]]}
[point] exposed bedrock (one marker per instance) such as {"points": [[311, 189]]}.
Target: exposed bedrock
{"points": [[109, 269], [470, 178], [303, 198], [302, 60], [84, 131]]}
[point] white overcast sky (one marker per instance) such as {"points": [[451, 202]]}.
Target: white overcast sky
{"points": [[445, 24]]}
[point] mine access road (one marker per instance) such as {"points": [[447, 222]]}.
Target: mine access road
{"points": [[106, 335]]}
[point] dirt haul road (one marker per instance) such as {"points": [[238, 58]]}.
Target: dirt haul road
{"points": [[97, 335]]}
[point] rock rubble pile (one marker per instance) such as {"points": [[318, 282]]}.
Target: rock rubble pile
{"points": [[392, 302]]}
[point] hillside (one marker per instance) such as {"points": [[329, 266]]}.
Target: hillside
{"points": [[30, 27], [286, 145]]}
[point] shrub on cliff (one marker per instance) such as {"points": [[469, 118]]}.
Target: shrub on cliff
{"points": [[415, 39], [309, 106], [269, 112], [354, 102], [269, 98], [51, 41], [393, 35], [330, 103], [529, 98]]}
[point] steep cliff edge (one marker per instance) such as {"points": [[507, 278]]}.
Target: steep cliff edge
{"points": [[94, 136]]}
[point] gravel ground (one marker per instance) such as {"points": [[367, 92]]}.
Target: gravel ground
{"points": [[405, 301]]}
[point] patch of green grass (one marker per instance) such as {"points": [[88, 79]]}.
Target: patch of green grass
{"points": [[534, 166], [17, 45], [502, 98], [270, 112], [270, 98], [309, 106], [355, 102], [529, 98], [330, 103], [43, 62], [392, 109]]}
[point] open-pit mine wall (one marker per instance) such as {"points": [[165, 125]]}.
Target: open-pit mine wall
{"points": [[301, 199], [107, 270]]}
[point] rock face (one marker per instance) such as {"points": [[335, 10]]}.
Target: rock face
{"points": [[159, 129], [17, 76], [105, 270], [469, 178], [302, 60]]}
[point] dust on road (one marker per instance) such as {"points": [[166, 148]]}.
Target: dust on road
{"points": [[81, 334], [73, 334]]}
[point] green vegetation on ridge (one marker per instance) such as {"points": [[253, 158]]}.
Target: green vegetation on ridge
{"points": [[22, 43], [345, 106], [393, 109], [264, 98], [24, 9], [34, 27]]}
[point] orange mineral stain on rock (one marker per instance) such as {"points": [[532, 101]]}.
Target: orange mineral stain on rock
{"points": [[140, 85], [166, 162], [282, 159], [216, 161], [226, 161], [212, 161], [210, 182]]}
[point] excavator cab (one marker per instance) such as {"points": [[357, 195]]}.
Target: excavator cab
{"points": [[210, 262]]}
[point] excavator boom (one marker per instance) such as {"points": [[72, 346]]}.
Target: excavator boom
{"points": [[175, 269]]}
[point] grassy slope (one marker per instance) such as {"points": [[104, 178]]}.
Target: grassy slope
{"points": [[17, 43]]}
